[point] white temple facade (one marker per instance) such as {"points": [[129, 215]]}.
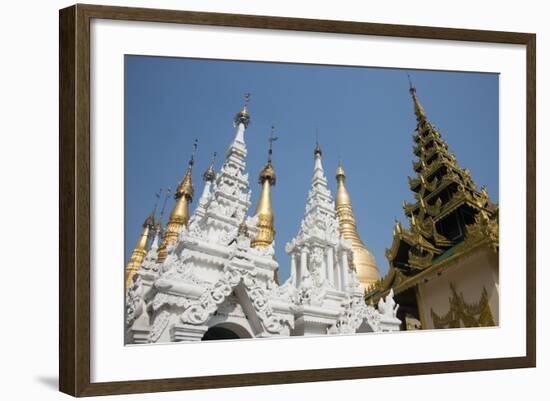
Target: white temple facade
{"points": [[214, 284]]}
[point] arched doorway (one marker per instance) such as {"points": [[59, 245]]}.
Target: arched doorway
{"points": [[226, 331], [219, 333]]}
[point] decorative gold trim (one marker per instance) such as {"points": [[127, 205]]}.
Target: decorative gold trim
{"points": [[419, 305], [465, 314]]}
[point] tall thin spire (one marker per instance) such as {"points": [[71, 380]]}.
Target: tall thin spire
{"points": [[140, 250], [418, 109], [317, 151], [318, 172], [265, 233], [363, 260], [179, 216], [208, 177], [241, 120]]}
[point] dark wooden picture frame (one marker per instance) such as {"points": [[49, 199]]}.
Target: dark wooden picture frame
{"points": [[74, 199]]}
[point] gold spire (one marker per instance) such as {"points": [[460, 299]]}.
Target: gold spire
{"points": [[418, 109], [140, 250], [363, 260], [179, 216], [265, 233]]}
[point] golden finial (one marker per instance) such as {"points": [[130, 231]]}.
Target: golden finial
{"points": [[210, 174], [265, 233], [367, 271], [342, 195], [243, 117], [268, 173], [340, 173]]}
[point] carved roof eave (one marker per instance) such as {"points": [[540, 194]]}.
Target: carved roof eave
{"points": [[456, 204], [389, 282], [391, 252], [419, 240], [411, 239], [435, 165], [393, 278], [449, 207]]}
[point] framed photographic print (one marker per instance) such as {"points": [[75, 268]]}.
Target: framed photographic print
{"points": [[313, 200]]}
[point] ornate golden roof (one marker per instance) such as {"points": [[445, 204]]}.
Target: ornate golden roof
{"points": [[363, 260], [450, 216]]}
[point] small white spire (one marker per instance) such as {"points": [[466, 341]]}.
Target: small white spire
{"points": [[242, 119], [318, 172]]}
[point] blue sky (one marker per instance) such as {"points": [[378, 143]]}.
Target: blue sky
{"points": [[362, 115]]}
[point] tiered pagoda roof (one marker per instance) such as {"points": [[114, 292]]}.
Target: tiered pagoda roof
{"points": [[448, 212]]}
